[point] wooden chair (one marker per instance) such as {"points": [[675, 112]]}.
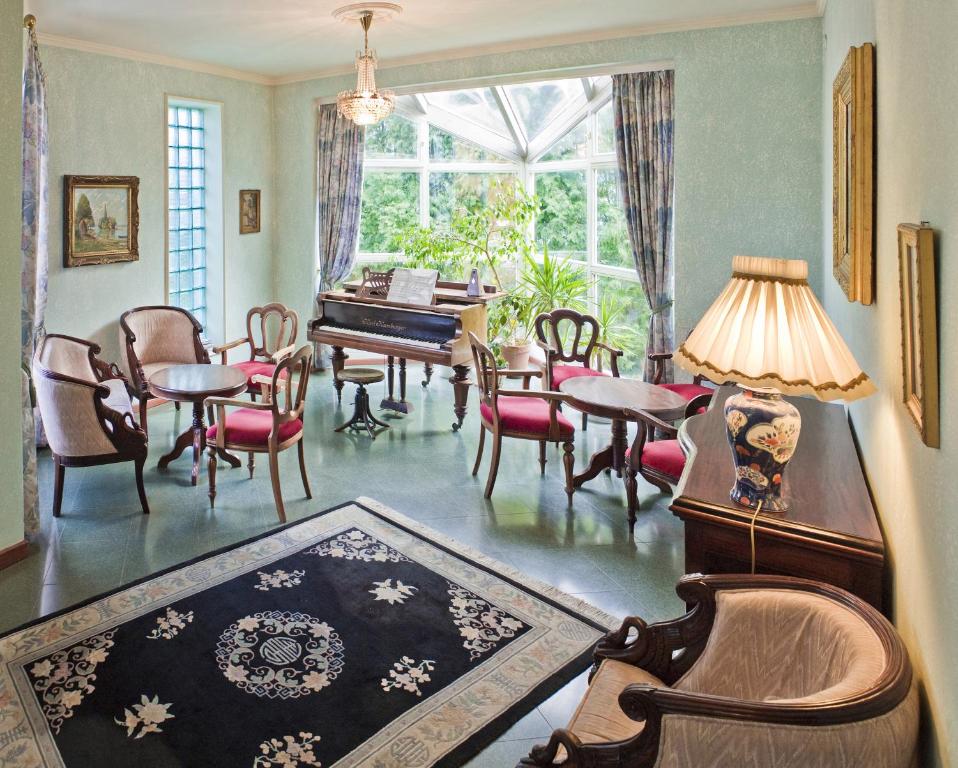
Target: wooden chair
{"points": [[270, 426], [524, 414], [86, 410], [686, 391], [761, 671], [569, 358], [155, 338], [277, 326], [659, 460]]}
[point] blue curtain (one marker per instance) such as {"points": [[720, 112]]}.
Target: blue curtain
{"points": [[643, 103], [33, 247], [339, 153]]}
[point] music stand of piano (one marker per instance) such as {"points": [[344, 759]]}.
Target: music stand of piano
{"points": [[350, 318]]}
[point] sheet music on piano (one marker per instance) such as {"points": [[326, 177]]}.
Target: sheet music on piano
{"points": [[413, 286]]}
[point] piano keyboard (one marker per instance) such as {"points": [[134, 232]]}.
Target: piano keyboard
{"points": [[404, 340]]}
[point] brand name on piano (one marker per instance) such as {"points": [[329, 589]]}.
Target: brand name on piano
{"points": [[378, 322]]}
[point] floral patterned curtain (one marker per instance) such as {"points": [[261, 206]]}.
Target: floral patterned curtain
{"points": [[339, 152], [643, 103], [33, 281]]}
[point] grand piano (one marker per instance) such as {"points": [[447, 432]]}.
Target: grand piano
{"points": [[357, 316]]}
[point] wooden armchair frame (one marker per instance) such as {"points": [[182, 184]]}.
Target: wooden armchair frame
{"points": [[128, 439], [139, 383], [488, 381], [668, 650], [286, 403], [284, 338]]}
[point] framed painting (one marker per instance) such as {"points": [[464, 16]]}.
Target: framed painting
{"points": [[101, 219], [919, 328], [853, 174], [249, 211]]}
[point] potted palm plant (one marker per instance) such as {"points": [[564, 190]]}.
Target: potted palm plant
{"points": [[516, 329]]}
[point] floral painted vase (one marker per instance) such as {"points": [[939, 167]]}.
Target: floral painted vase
{"points": [[763, 431]]}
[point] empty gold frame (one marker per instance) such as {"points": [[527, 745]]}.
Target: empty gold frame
{"points": [[853, 171], [919, 329]]}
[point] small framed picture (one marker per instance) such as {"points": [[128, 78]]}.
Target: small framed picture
{"points": [[919, 328], [249, 212], [100, 220]]}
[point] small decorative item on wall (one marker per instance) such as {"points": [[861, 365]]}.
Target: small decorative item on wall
{"points": [[100, 219], [919, 329], [853, 174], [249, 211]]}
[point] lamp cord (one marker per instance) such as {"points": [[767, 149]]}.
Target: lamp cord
{"points": [[751, 533]]}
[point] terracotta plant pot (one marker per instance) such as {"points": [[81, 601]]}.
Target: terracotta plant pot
{"points": [[517, 355]]}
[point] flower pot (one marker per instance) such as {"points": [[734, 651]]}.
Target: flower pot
{"points": [[517, 355]]}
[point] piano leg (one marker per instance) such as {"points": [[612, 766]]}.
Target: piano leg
{"points": [[460, 382], [402, 379], [428, 371], [390, 402], [338, 359], [390, 369]]}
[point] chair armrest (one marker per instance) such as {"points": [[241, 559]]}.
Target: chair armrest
{"points": [[652, 421], [546, 347], [656, 356], [610, 349], [542, 394], [696, 403], [281, 354], [536, 372], [234, 402], [223, 348]]}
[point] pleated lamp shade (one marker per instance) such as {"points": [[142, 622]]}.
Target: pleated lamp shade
{"points": [[767, 329]]}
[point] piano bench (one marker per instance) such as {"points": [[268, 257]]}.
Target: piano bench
{"points": [[362, 418], [361, 376]]}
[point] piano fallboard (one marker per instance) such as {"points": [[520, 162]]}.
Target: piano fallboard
{"points": [[390, 321]]}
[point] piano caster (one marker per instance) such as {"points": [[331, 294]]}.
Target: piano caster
{"points": [[428, 372], [399, 406]]}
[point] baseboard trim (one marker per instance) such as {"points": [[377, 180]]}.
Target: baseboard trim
{"points": [[13, 554]]}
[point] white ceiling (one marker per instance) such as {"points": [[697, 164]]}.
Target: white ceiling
{"points": [[291, 38]]}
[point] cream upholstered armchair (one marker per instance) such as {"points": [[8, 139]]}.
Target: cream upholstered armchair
{"points": [[86, 410], [765, 671], [155, 338]]}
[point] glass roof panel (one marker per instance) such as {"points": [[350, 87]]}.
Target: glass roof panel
{"points": [[538, 104], [477, 105]]}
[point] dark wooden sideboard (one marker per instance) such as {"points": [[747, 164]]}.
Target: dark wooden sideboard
{"points": [[830, 531]]}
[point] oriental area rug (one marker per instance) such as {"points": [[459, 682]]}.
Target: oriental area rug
{"points": [[356, 637]]}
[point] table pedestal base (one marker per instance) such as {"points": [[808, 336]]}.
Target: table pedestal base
{"points": [[612, 457], [195, 436]]}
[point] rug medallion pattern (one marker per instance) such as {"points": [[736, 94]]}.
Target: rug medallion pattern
{"points": [[353, 638]]}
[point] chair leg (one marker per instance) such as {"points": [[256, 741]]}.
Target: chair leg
{"points": [[251, 464], [585, 421], [143, 404], [542, 457], [302, 469], [211, 471], [176, 404], [494, 464], [58, 472], [568, 459], [138, 465], [482, 443], [274, 479]]}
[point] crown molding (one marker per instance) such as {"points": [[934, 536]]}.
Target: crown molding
{"points": [[805, 10], [192, 65]]}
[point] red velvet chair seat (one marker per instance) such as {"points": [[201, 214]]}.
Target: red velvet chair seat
{"points": [[562, 373], [689, 392], [663, 456], [256, 368], [527, 414], [247, 426]]}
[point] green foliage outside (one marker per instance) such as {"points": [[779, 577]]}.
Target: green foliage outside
{"points": [[614, 249], [562, 223], [390, 206], [394, 137]]}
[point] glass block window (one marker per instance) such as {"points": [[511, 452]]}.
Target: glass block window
{"points": [[187, 211]]}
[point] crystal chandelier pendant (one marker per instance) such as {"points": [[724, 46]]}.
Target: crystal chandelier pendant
{"points": [[366, 105]]}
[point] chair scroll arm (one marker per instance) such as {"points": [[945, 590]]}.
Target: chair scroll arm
{"points": [[659, 359], [233, 402], [697, 403], [127, 436], [614, 355], [222, 349], [281, 354], [542, 755]]}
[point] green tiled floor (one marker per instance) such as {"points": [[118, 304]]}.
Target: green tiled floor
{"points": [[419, 467]]}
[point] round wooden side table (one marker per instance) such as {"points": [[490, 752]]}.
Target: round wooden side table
{"points": [[610, 398], [193, 384]]}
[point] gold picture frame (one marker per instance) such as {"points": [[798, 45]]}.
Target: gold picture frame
{"points": [[249, 211], [853, 174], [919, 328], [101, 220]]}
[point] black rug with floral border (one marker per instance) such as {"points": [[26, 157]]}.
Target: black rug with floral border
{"points": [[356, 637]]}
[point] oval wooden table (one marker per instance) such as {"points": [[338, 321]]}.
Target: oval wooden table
{"points": [[193, 384], [610, 398]]}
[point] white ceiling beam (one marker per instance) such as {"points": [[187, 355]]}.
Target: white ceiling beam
{"points": [[474, 132], [564, 123], [587, 87], [513, 122], [420, 102]]}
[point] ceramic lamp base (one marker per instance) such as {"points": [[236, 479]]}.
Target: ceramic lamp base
{"points": [[763, 431]]}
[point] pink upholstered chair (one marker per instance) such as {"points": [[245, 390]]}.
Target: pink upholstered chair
{"points": [[270, 426], [762, 671], [523, 414], [568, 358], [86, 410], [270, 335], [155, 338], [687, 391]]}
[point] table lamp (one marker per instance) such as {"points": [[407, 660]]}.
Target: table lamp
{"points": [[767, 333]]}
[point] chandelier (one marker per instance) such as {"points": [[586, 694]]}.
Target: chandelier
{"points": [[366, 105]]}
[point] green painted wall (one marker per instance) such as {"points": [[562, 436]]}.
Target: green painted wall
{"points": [[915, 487], [748, 147], [11, 72], [108, 116]]}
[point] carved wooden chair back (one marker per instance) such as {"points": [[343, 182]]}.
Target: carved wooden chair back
{"points": [[375, 284], [270, 328], [571, 334], [290, 380], [487, 377]]}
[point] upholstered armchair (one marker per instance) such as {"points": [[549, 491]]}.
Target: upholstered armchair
{"points": [[523, 414], [155, 338], [762, 671], [270, 335], [570, 341], [86, 410], [269, 426]]}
